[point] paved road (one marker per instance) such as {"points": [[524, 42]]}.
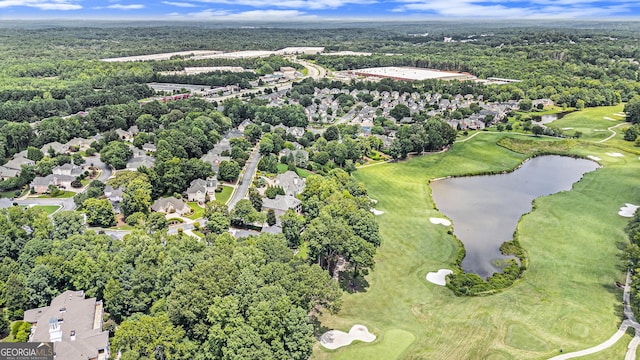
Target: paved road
{"points": [[313, 71], [628, 321], [245, 179]]}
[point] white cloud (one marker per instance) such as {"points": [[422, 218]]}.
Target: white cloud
{"points": [[253, 15], [292, 4], [180, 4], [506, 9], [126, 7], [42, 4]]}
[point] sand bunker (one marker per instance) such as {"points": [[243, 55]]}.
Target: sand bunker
{"points": [[440, 277], [615, 154], [377, 212], [620, 114], [334, 339], [628, 210], [594, 158], [567, 128], [599, 130], [440, 221], [373, 200], [608, 118]]}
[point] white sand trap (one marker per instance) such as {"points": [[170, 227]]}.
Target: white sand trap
{"points": [[620, 114], [615, 154], [440, 277], [377, 212], [373, 200], [567, 128], [594, 158], [440, 221], [628, 210], [334, 339], [608, 118], [599, 130]]}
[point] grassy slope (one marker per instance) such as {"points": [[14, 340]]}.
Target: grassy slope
{"points": [[566, 299]]}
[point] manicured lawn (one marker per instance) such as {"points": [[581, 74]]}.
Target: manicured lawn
{"points": [[590, 122], [225, 194], [566, 299], [302, 172], [198, 211], [282, 168], [198, 233], [10, 194], [49, 209], [64, 195]]}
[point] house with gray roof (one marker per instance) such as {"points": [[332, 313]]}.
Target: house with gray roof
{"points": [[136, 162], [18, 162], [170, 205], [74, 324], [6, 173], [149, 147], [290, 182], [201, 190], [41, 184], [281, 204], [214, 159], [68, 169], [57, 147], [80, 143]]}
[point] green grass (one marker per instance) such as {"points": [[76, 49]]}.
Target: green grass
{"points": [[282, 168], [566, 298], [49, 209], [225, 194], [302, 172], [10, 194], [590, 122], [198, 233], [388, 346], [64, 195], [617, 351], [197, 211]]}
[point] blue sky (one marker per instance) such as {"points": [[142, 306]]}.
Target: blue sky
{"points": [[316, 10]]}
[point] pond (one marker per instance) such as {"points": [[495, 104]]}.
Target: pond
{"points": [[545, 119], [485, 209]]}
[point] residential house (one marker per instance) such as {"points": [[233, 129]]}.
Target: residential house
{"points": [[114, 196], [68, 169], [136, 162], [201, 190], [215, 160], [291, 183], [170, 205], [78, 143], [148, 147], [243, 125], [124, 135], [6, 173], [74, 324], [56, 146], [41, 184], [281, 204], [18, 162], [300, 157]]}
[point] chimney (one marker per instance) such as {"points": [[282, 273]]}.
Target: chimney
{"points": [[73, 335]]}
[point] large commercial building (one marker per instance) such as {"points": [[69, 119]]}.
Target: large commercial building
{"points": [[412, 73]]}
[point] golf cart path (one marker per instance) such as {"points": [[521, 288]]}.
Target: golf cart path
{"points": [[629, 321], [613, 133]]}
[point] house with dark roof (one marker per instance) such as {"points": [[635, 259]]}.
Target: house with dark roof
{"points": [[74, 324]]}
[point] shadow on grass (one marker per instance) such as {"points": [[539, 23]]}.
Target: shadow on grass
{"points": [[318, 328], [617, 292], [352, 284]]}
